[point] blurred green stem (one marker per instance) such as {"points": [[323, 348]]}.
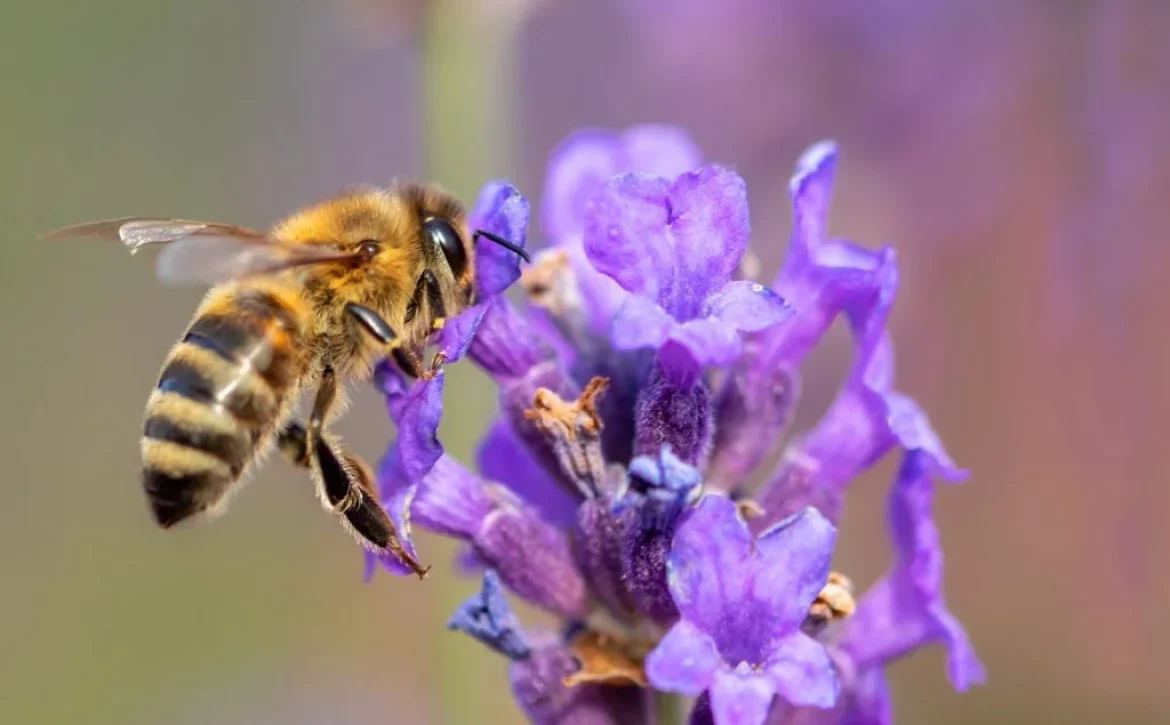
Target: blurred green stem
{"points": [[465, 99], [467, 84], [670, 708]]}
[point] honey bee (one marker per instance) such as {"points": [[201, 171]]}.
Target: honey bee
{"points": [[318, 301]]}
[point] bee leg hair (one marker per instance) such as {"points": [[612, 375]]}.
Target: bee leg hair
{"points": [[347, 484]]}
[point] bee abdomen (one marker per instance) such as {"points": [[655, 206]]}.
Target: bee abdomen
{"points": [[180, 481], [219, 396], [234, 449]]}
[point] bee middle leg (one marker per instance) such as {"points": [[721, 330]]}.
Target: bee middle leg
{"points": [[372, 322]]}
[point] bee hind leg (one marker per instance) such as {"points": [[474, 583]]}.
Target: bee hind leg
{"points": [[344, 480], [337, 486]]}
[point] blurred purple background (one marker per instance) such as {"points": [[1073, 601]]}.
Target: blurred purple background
{"points": [[1017, 154]]}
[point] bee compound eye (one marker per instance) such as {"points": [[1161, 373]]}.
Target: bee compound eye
{"points": [[369, 248], [444, 236]]}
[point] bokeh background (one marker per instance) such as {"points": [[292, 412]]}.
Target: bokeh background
{"points": [[1018, 153]]}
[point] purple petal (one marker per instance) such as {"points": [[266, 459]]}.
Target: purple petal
{"points": [[683, 349], [531, 555], [668, 415], [395, 387], [673, 243], [796, 485], [487, 617], [851, 436], [660, 489], [741, 697], [503, 458], [747, 306], [794, 557], [811, 189], [537, 684], [710, 229], [417, 407], [627, 234], [640, 323], [710, 562], [418, 430], [455, 339], [802, 673], [586, 159], [450, 500], [599, 549], [869, 312], [659, 149], [753, 410], [708, 341], [502, 211], [578, 169], [534, 559], [601, 296], [505, 343], [912, 428], [906, 609], [819, 278], [842, 274], [517, 396], [684, 661], [645, 551], [627, 373], [397, 506], [869, 701]]}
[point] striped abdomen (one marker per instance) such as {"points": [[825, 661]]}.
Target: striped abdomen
{"points": [[221, 393]]}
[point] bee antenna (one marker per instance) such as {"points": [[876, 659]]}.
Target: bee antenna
{"points": [[510, 246]]}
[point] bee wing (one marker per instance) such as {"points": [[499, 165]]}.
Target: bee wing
{"points": [[204, 252], [136, 231], [214, 259]]}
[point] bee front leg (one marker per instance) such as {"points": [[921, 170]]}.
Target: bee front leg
{"points": [[427, 291], [427, 288]]}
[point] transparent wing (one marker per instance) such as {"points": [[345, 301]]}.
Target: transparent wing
{"points": [[135, 231], [213, 259], [200, 252]]}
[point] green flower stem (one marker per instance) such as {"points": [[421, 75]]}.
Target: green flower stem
{"points": [[466, 51], [670, 708]]}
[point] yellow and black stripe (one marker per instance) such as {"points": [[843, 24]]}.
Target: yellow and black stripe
{"points": [[219, 396]]}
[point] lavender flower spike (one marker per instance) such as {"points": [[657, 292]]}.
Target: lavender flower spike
{"points": [[741, 608], [639, 388]]}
